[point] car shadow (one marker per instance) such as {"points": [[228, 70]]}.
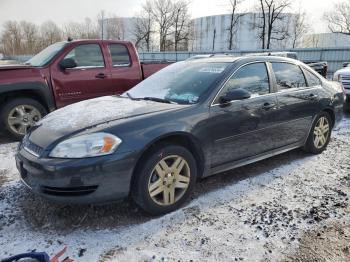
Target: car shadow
{"points": [[42, 214], [5, 139]]}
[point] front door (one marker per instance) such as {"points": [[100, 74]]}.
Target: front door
{"points": [[244, 128], [88, 80]]}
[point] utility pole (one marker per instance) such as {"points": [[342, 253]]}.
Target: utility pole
{"points": [[102, 23], [214, 39]]}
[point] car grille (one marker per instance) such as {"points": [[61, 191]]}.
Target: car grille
{"points": [[69, 191], [345, 80], [31, 147]]}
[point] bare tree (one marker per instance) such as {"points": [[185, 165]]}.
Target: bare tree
{"points": [[91, 29], [30, 37], [50, 33], [11, 38], [234, 19], [84, 30], [339, 18], [273, 25], [300, 27], [181, 25], [163, 15], [114, 28], [143, 27]]}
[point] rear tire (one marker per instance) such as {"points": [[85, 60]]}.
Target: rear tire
{"points": [[164, 179], [320, 134], [19, 114]]}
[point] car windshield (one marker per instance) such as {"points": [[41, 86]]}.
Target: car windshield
{"points": [[183, 82], [46, 55]]}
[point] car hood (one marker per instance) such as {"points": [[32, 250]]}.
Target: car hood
{"points": [[15, 67], [12, 74], [78, 117]]}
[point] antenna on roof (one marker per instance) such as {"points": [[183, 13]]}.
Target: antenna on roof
{"points": [[70, 39]]}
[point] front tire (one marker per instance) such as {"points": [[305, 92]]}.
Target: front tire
{"points": [[320, 134], [164, 179], [20, 114]]}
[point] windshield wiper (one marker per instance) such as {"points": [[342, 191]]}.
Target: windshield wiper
{"points": [[160, 100], [130, 96]]}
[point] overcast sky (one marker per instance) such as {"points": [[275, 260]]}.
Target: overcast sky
{"points": [[62, 11]]}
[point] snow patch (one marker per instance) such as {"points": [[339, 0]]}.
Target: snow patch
{"points": [[92, 111]]}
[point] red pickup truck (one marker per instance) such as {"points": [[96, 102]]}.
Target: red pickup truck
{"points": [[65, 73]]}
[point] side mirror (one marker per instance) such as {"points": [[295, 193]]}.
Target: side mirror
{"points": [[235, 94], [68, 63]]}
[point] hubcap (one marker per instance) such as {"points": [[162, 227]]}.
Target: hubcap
{"points": [[321, 132], [169, 180], [22, 117]]}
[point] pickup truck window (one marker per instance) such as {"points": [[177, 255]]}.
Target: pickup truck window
{"points": [[312, 80], [87, 55], [119, 54], [46, 55], [288, 75]]}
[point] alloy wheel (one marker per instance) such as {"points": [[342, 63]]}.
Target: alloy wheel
{"points": [[321, 132], [169, 180], [22, 117]]}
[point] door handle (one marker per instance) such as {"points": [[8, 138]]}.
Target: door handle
{"points": [[101, 76], [312, 97], [268, 106]]}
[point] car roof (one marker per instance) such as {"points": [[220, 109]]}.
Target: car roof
{"points": [[96, 41], [247, 59]]}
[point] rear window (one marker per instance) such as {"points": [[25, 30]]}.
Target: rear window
{"points": [[119, 54], [288, 75], [312, 80]]}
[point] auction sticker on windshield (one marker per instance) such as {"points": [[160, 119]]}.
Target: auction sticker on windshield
{"points": [[212, 70]]}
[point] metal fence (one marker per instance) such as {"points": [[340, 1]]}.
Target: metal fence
{"points": [[334, 56]]}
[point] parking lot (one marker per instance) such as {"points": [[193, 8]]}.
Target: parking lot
{"points": [[290, 207]]}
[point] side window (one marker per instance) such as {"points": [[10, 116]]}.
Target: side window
{"points": [[312, 80], [88, 55], [288, 75], [253, 78], [119, 54]]}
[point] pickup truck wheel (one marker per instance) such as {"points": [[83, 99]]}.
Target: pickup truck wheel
{"points": [[164, 180], [20, 114]]}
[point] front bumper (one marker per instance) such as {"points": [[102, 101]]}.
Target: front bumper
{"points": [[77, 181]]}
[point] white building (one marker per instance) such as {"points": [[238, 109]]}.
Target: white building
{"points": [[211, 33], [123, 28], [324, 40]]}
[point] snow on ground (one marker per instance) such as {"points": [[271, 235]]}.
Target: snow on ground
{"points": [[277, 209]]}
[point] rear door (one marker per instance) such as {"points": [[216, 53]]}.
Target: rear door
{"points": [[125, 73], [297, 102], [91, 77], [244, 128]]}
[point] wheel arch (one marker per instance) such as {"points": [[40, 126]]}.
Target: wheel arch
{"points": [[34, 90], [330, 111], [177, 138]]}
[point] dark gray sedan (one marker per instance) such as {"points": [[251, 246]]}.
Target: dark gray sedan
{"points": [[188, 121]]}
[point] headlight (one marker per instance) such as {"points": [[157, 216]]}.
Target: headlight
{"points": [[91, 145]]}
